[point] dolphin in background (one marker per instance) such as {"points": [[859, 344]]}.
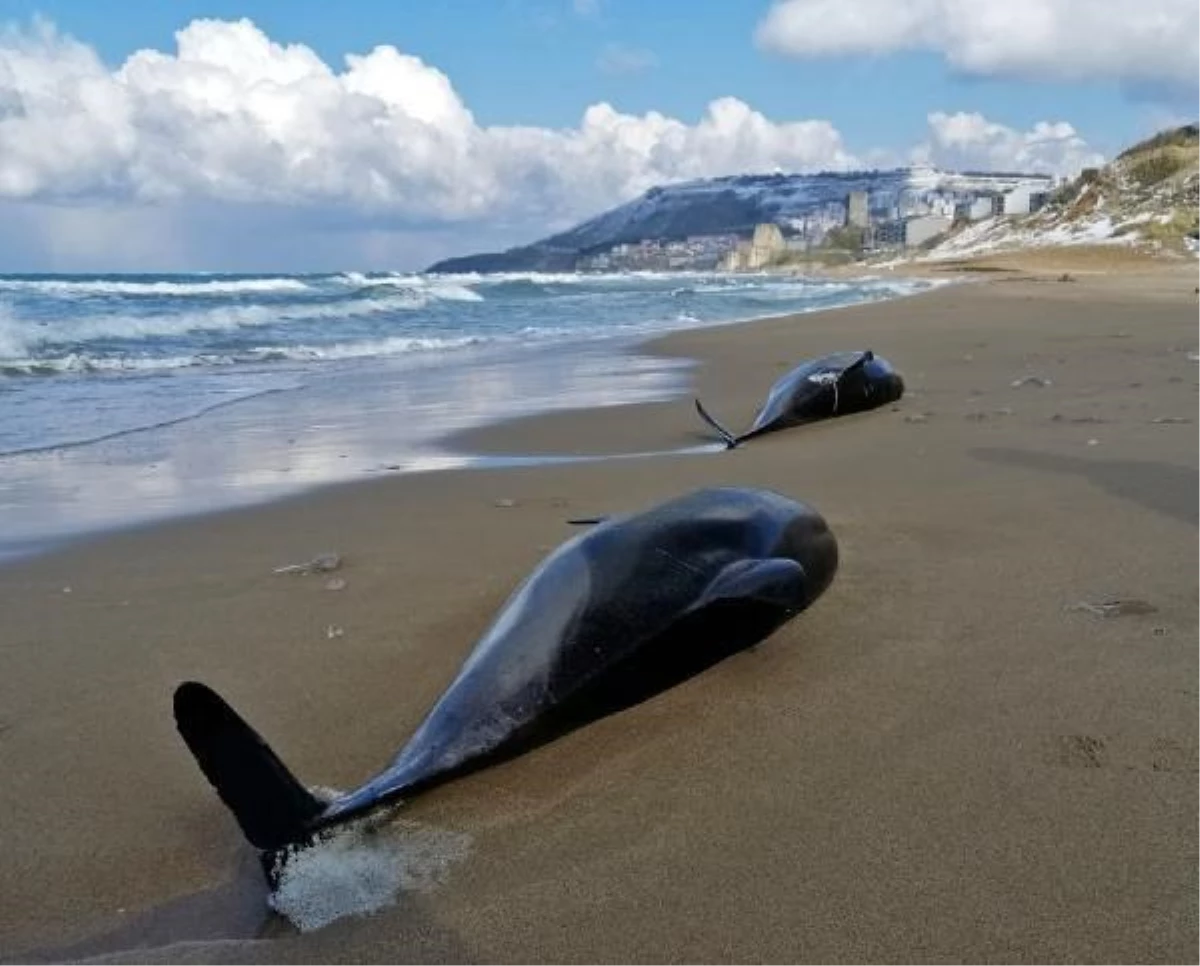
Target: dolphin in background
{"points": [[833, 385]]}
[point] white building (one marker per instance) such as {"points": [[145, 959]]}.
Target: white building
{"points": [[1016, 201], [921, 229], [907, 232], [982, 207]]}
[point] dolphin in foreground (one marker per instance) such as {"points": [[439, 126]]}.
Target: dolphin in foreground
{"points": [[613, 616], [833, 385]]}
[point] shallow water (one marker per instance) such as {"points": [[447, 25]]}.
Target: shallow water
{"points": [[344, 422]]}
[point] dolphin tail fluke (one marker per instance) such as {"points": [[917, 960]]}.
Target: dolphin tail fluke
{"points": [[272, 807], [730, 440]]}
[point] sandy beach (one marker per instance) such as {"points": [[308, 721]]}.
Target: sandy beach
{"points": [[947, 758]]}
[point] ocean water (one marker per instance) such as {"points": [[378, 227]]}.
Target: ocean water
{"points": [[131, 397]]}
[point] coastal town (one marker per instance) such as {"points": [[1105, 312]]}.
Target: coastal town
{"points": [[903, 210]]}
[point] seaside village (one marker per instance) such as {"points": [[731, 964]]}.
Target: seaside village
{"points": [[862, 222]]}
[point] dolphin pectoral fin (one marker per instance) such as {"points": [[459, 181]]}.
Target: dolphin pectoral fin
{"points": [[273, 809], [730, 440], [586, 521], [777, 580]]}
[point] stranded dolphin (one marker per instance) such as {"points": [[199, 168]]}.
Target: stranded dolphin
{"points": [[833, 385], [613, 616]]}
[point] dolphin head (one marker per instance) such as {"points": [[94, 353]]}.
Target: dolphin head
{"points": [[885, 383], [811, 543]]}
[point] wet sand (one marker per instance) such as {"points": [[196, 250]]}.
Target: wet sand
{"points": [[944, 759]]}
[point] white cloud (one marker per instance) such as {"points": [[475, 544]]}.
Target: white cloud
{"points": [[622, 59], [1148, 42], [238, 147], [236, 117], [969, 141]]}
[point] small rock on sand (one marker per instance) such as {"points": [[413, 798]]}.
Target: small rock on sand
{"points": [[335, 583], [505, 504], [1039, 381], [333, 630]]}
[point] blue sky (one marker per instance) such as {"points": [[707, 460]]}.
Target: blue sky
{"points": [[1043, 84], [538, 62]]}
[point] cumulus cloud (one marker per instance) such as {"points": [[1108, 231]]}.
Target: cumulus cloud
{"points": [[234, 116], [234, 143], [1150, 42], [969, 141]]}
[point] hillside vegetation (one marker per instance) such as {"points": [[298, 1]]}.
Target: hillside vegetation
{"points": [[1148, 196]]}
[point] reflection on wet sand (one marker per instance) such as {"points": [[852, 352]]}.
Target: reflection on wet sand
{"points": [[332, 429]]}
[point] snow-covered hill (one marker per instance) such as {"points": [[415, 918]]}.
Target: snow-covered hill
{"points": [[726, 206]]}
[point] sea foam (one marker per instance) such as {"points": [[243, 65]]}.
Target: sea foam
{"points": [[361, 868]]}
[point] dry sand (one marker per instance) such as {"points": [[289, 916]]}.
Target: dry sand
{"points": [[941, 760]]}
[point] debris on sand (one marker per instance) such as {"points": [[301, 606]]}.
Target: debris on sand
{"points": [[1060, 418], [322, 563], [1039, 381], [1114, 607], [1168, 420], [333, 630], [983, 415], [335, 583], [505, 504]]}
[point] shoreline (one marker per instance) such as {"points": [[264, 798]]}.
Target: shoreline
{"points": [[170, 465], [941, 760]]}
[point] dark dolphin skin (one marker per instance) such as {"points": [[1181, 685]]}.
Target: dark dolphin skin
{"points": [[619, 613], [833, 385]]}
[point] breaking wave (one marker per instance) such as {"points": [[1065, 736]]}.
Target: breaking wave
{"points": [[53, 326], [428, 287], [153, 287]]}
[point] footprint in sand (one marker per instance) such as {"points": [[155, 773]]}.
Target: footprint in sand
{"points": [[1161, 754], [1079, 751]]}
